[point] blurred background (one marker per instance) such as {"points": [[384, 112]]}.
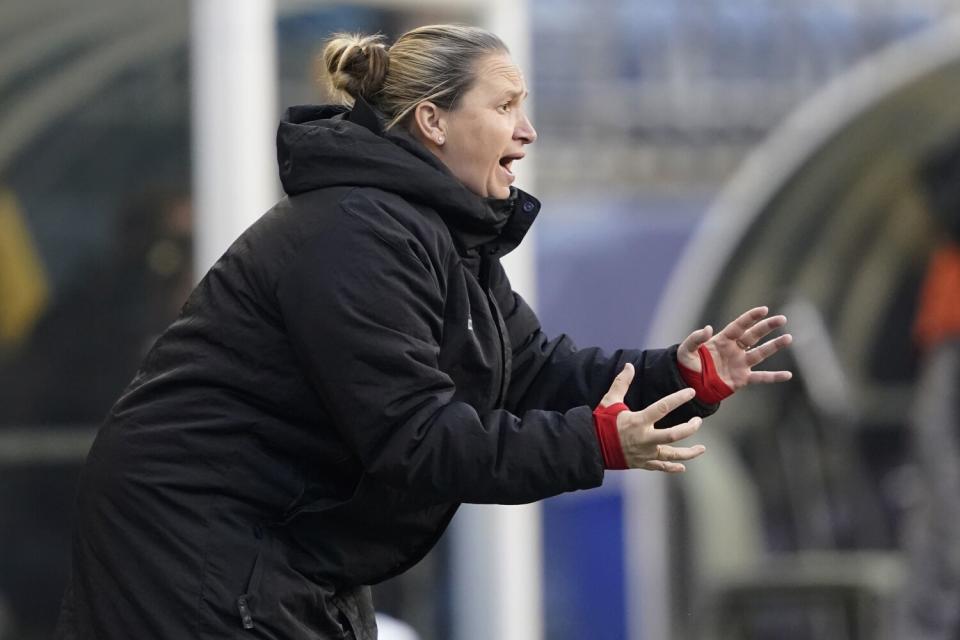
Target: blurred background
{"points": [[695, 158]]}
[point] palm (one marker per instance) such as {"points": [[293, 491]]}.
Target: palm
{"points": [[737, 349], [732, 362]]}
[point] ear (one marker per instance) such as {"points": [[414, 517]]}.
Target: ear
{"points": [[429, 124]]}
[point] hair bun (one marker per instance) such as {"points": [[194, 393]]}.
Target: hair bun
{"points": [[356, 65]]}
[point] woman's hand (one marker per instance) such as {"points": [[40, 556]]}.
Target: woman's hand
{"points": [[645, 447], [737, 349]]}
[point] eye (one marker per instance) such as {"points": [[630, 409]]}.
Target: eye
{"points": [[505, 107]]}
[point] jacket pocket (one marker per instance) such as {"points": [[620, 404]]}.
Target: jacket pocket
{"points": [[321, 504]]}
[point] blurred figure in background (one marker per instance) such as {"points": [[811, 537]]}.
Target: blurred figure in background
{"points": [[932, 598], [65, 372], [119, 303], [23, 282]]}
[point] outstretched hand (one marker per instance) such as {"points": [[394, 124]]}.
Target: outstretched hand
{"points": [[737, 348], [645, 447]]}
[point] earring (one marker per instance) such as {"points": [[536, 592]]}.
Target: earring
{"points": [[440, 139]]}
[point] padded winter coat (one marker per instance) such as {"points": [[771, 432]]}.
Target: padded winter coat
{"points": [[354, 367]]}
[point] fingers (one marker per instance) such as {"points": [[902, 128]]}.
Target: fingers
{"points": [[666, 467], [687, 353], [738, 327], [619, 387], [758, 354], [668, 453], [649, 448], [768, 377], [667, 457], [663, 437], [664, 406], [693, 341], [757, 332]]}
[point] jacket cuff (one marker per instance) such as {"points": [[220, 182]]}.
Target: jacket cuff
{"points": [[591, 473]]}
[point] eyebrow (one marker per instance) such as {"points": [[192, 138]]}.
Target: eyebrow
{"points": [[513, 93]]}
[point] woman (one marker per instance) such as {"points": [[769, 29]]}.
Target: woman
{"points": [[356, 365]]}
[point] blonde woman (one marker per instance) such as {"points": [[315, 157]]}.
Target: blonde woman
{"points": [[357, 365]]}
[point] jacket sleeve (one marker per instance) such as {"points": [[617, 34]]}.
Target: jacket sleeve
{"points": [[554, 374], [363, 308]]}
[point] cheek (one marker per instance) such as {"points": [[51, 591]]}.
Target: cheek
{"points": [[492, 143], [479, 142], [480, 150]]}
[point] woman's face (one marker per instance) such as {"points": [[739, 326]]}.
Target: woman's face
{"points": [[485, 134]]}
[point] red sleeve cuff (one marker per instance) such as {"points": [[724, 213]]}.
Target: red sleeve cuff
{"points": [[708, 384], [605, 422]]}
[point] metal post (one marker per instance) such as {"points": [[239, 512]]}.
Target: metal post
{"points": [[646, 555], [234, 91]]}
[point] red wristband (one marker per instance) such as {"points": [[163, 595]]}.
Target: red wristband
{"points": [[605, 422], [708, 384]]}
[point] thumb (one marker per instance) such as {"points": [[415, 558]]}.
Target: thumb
{"points": [[693, 341], [619, 387]]}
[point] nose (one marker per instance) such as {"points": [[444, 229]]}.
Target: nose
{"points": [[525, 131]]}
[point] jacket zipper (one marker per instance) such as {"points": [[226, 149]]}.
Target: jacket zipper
{"points": [[501, 330]]}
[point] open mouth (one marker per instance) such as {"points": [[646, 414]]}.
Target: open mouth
{"points": [[507, 162]]}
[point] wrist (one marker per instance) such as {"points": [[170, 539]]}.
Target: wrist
{"points": [[689, 361], [707, 383], [608, 435]]}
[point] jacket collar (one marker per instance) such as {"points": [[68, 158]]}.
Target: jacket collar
{"points": [[364, 115], [521, 210]]}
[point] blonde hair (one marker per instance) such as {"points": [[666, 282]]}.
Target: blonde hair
{"points": [[434, 63]]}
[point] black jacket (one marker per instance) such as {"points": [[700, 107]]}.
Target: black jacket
{"points": [[349, 371]]}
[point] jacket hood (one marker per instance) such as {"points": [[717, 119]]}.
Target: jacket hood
{"points": [[328, 145]]}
